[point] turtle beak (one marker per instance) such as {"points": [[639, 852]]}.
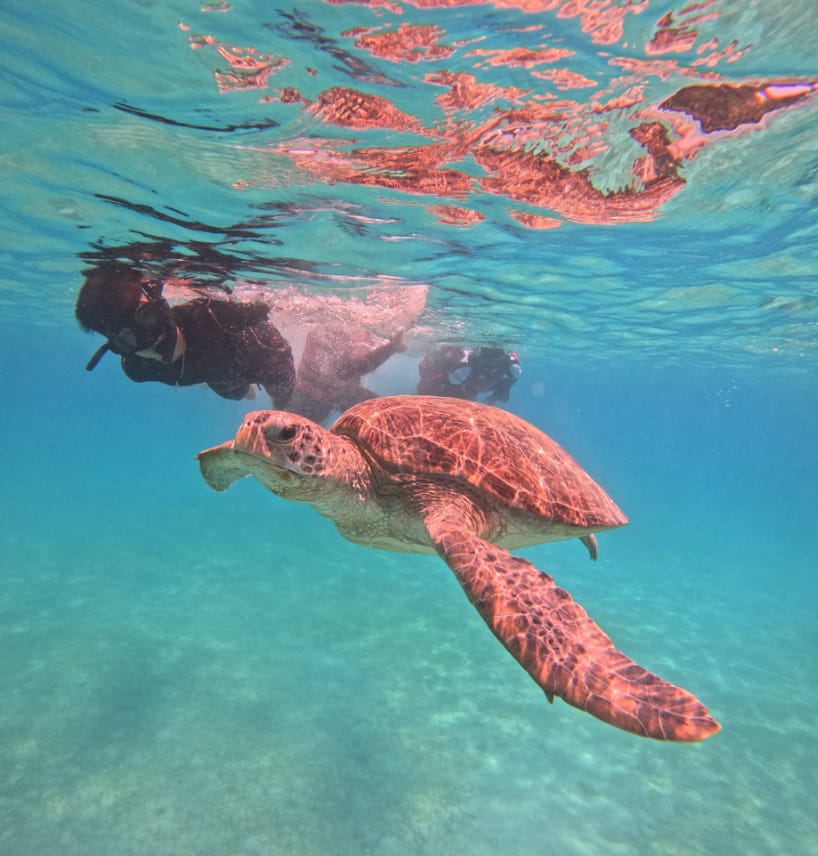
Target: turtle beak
{"points": [[250, 439]]}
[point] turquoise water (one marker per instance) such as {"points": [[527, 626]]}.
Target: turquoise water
{"points": [[186, 672]]}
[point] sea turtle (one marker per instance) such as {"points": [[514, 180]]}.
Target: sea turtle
{"points": [[466, 480]]}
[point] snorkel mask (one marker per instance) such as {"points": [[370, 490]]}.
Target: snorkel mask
{"points": [[514, 367], [151, 326]]}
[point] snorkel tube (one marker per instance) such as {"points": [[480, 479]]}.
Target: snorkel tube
{"points": [[98, 355]]}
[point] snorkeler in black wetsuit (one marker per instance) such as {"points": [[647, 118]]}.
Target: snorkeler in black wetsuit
{"points": [[224, 344], [465, 373]]}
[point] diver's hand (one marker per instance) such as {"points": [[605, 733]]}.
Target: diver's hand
{"points": [[399, 341]]}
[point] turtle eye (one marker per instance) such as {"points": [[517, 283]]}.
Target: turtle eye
{"points": [[287, 433], [280, 433]]}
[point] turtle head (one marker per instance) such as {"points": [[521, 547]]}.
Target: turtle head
{"points": [[289, 454], [286, 441]]}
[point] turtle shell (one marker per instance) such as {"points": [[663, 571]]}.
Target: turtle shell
{"points": [[509, 462]]}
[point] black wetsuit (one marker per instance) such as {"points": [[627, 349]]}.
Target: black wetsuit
{"points": [[228, 346], [489, 370]]}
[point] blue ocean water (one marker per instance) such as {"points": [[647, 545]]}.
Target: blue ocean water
{"points": [[187, 672]]}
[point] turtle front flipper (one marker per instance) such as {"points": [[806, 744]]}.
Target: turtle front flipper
{"points": [[556, 642], [222, 465]]}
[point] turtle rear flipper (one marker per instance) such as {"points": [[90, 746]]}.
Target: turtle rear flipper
{"points": [[557, 643]]}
